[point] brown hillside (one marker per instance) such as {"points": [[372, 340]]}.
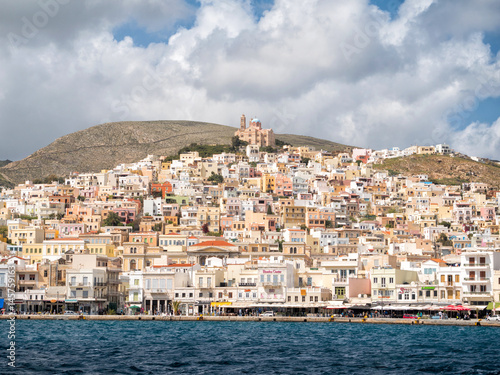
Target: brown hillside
{"points": [[444, 169], [107, 145]]}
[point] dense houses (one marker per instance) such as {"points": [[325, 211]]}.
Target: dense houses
{"points": [[296, 230]]}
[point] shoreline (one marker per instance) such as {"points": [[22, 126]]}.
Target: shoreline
{"points": [[429, 322]]}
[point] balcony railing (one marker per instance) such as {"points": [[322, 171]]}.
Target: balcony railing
{"points": [[476, 279], [247, 284], [477, 292], [271, 284], [476, 264]]}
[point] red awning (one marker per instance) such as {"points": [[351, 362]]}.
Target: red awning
{"points": [[455, 308]]}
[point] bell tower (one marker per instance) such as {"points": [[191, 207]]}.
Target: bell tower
{"points": [[243, 122]]}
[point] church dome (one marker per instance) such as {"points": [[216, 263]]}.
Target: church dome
{"points": [[255, 120]]}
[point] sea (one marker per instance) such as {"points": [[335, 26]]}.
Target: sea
{"points": [[162, 347]]}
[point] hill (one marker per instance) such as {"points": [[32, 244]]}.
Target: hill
{"points": [[444, 169], [4, 162], [107, 145]]}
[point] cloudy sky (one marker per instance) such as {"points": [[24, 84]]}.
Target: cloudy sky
{"points": [[367, 73]]}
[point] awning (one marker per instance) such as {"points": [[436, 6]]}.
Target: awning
{"points": [[490, 306], [335, 307], [135, 306], [71, 301], [455, 308], [220, 304]]}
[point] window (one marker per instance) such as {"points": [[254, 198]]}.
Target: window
{"points": [[200, 295], [296, 298], [391, 280], [375, 280], [85, 294], [382, 282], [200, 282], [457, 278]]}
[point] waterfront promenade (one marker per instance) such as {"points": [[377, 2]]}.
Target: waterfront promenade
{"points": [[443, 322]]}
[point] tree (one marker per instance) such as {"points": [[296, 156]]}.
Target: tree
{"points": [[157, 227], [80, 198], [305, 160], [236, 143], [281, 143], [216, 178], [328, 224], [280, 244], [176, 307], [135, 224], [268, 149], [204, 228], [112, 220], [446, 224], [270, 210], [443, 239]]}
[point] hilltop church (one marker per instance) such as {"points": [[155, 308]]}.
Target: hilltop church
{"points": [[254, 134]]}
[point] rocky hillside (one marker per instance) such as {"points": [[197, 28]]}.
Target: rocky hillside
{"points": [[445, 169], [107, 145]]}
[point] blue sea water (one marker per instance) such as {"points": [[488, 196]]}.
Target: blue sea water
{"points": [[159, 347]]}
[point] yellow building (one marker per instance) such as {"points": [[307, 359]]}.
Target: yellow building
{"points": [[268, 183]]}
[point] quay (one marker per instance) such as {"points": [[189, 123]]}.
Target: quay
{"points": [[308, 319]]}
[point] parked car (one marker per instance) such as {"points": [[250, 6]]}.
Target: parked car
{"points": [[409, 316], [267, 313], [494, 317], [69, 312], [444, 316]]}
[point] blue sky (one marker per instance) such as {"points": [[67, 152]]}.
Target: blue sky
{"points": [[323, 68], [487, 110], [143, 38]]}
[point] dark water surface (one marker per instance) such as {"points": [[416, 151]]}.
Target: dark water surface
{"points": [[158, 347]]}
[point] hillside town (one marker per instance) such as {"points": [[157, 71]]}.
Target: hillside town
{"points": [[267, 227]]}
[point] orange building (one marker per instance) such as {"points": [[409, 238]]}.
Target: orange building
{"points": [[163, 189]]}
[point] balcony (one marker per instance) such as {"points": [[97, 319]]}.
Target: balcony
{"points": [[87, 285], [477, 293], [476, 265], [247, 284], [270, 284], [481, 280], [158, 291], [100, 284]]}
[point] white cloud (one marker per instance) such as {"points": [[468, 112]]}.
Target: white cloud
{"points": [[339, 70]]}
